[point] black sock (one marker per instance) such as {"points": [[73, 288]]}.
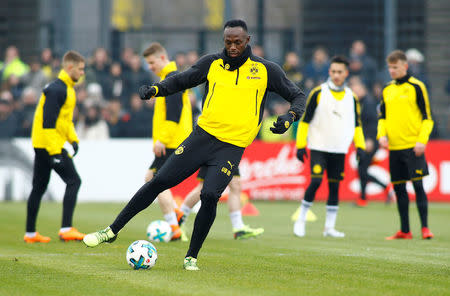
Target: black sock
{"points": [[402, 205], [70, 199], [33, 204], [372, 179], [202, 225], [140, 201], [421, 202], [333, 190]]}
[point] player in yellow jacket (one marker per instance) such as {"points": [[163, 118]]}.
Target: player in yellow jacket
{"points": [[52, 128], [237, 83], [404, 127], [172, 124]]}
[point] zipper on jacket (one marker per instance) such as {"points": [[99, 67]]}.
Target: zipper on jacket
{"points": [[256, 102], [237, 76], [212, 93]]}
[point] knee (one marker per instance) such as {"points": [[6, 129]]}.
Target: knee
{"points": [[38, 189], [209, 198], [75, 181], [418, 186], [315, 182], [160, 181]]}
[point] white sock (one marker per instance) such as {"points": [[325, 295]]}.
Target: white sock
{"points": [[30, 234], [304, 208], [330, 220], [171, 218], [185, 209], [65, 229], [236, 220]]}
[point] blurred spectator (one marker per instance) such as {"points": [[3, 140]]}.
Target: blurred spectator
{"points": [[115, 83], [36, 78], [25, 111], [125, 59], [135, 78], [140, 120], [316, 71], [13, 85], [292, 67], [416, 67], [361, 64], [116, 118], [279, 108], [13, 65], [98, 70], [94, 94], [92, 126], [47, 63], [195, 93], [192, 57], [181, 61], [8, 120], [258, 51]]}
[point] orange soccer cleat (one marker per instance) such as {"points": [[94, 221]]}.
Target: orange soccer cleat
{"points": [[176, 232], [71, 234], [400, 235], [361, 203], [426, 233], [36, 239], [181, 217]]}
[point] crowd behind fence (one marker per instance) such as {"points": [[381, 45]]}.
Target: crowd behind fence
{"points": [[108, 105]]}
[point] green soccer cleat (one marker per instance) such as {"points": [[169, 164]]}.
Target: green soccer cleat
{"points": [[247, 232], [190, 263], [102, 236]]}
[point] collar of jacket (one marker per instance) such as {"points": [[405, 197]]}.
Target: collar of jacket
{"points": [[170, 67], [236, 62], [64, 76], [403, 79], [334, 87]]}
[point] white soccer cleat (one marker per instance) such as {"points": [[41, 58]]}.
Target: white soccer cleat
{"points": [[331, 232], [299, 228]]}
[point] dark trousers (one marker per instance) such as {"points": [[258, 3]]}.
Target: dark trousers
{"points": [[41, 177], [199, 149], [363, 171]]}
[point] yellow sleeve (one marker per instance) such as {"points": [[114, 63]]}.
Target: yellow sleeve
{"points": [[381, 129], [425, 131], [358, 138], [424, 106], [72, 134], [166, 132], [302, 134]]}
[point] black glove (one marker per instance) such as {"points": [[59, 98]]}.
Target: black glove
{"points": [[301, 154], [146, 92], [75, 148], [359, 154], [283, 123], [56, 161]]}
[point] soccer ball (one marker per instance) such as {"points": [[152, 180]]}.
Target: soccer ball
{"points": [[159, 231], [141, 254]]}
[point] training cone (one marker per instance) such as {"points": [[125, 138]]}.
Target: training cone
{"points": [[310, 216], [249, 210]]}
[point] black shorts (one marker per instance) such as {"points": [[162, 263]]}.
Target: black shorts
{"points": [[159, 161], [404, 165], [204, 169], [333, 163], [198, 150]]}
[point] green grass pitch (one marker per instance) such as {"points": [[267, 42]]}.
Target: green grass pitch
{"points": [[277, 263]]}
